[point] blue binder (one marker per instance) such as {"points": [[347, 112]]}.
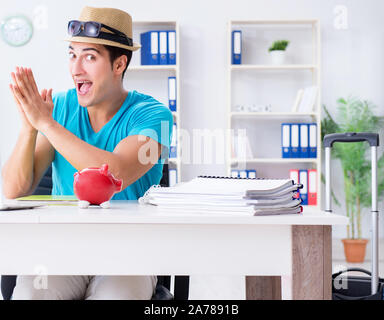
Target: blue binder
{"points": [[295, 140], [236, 47], [173, 148], [251, 174], [286, 140], [172, 94], [149, 48], [304, 140], [303, 179], [235, 173], [163, 47], [171, 47], [313, 140], [243, 174]]}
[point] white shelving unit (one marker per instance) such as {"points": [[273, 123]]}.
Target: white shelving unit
{"points": [[273, 160], [256, 72], [153, 79], [272, 67]]}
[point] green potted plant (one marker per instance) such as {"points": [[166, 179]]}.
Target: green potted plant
{"points": [[277, 51], [354, 115]]}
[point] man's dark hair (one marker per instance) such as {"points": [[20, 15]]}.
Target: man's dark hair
{"points": [[116, 52]]}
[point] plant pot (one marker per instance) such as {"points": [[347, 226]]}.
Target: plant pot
{"points": [[277, 56], [354, 249]]}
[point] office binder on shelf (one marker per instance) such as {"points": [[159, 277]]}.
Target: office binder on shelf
{"points": [[241, 147], [312, 187], [243, 174], [251, 174], [163, 47], [171, 47], [172, 94], [294, 175], [304, 140], [173, 149], [303, 180], [149, 48], [313, 140], [308, 100], [296, 104], [236, 47], [172, 177], [295, 140], [235, 174], [286, 140]]}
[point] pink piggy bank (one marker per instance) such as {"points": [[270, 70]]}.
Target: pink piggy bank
{"points": [[95, 186]]}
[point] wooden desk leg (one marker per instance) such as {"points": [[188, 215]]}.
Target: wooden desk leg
{"points": [[263, 288], [311, 263]]}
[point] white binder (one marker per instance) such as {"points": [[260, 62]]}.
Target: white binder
{"points": [[172, 177]]}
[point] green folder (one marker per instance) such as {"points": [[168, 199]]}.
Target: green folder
{"points": [[51, 200], [48, 198]]}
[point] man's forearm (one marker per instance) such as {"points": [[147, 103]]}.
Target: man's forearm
{"points": [[18, 171], [77, 152]]}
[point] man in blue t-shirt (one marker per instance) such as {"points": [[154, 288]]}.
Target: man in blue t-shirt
{"points": [[98, 122]]}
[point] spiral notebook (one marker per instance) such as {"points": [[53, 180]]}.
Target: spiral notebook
{"points": [[227, 194]]}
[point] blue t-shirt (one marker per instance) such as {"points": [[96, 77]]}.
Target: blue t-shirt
{"points": [[140, 114]]}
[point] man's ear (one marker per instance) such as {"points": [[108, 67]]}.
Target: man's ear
{"points": [[120, 64]]}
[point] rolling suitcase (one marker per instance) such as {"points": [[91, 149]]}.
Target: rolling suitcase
{"points": [[357, 287]]}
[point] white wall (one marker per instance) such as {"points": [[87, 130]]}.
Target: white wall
{"points": [[351, 59]]}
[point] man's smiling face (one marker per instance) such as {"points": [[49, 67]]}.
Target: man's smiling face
{"points": [[91, 71]]}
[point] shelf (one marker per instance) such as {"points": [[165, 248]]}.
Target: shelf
{"points": [[273, 67], [153, 68], [274, 22], [273, 114], [154, 23], [245, 91], [153, 78], [275, 160]]}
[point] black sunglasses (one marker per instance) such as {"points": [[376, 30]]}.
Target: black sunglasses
{"points": [[92, 29]]}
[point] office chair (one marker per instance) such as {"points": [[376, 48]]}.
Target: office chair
{"points": [[162, 292]]}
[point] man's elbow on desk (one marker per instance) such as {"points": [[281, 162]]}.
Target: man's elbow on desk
{"points": [[15, 185], [14, 191]]}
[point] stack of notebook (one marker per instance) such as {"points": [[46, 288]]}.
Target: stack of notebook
{"points": [[228, 195]]}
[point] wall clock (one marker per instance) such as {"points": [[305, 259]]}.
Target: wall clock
{"points": [[16, 30]]}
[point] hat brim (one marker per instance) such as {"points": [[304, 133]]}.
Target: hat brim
{"points": [[135, 46]]}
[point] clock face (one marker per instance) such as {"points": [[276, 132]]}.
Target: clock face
{"points": [[16, 31]]}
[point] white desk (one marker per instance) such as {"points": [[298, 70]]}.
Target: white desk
{"points": [[290, 254]]}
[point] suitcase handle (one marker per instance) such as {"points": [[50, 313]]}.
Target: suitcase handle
{"points": [[351, 269], [371, 138]]}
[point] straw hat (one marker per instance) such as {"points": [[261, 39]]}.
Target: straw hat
{"points": [[111, 17]]}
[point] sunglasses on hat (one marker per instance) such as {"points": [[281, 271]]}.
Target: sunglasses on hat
{"points": [[92, 29]]}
